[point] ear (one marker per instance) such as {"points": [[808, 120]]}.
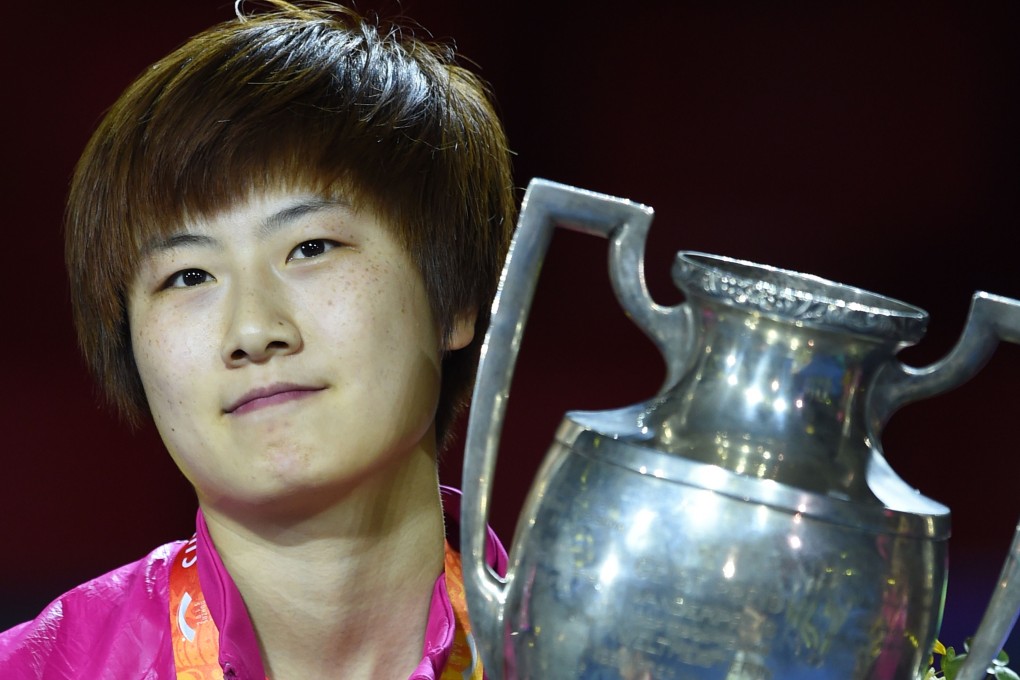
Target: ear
{"points": [[462, 332]]}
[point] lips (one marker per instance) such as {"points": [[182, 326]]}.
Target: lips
{"points": [[270, 396]]}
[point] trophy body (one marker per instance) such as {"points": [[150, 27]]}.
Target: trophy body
{"points": [[620, 572]]}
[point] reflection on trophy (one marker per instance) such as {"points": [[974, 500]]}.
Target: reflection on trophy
{"points": [[741, 524]]}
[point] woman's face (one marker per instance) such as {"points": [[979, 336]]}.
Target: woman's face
{"points": [[287, 349]]}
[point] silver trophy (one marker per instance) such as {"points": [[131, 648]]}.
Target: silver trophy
{"points": [[742, 524]]}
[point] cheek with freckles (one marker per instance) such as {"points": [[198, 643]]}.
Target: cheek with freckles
{"points": [[170, 355]]}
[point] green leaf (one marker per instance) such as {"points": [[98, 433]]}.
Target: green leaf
{"points": [[951, 663]]}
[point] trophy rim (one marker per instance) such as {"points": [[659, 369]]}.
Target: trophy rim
{"points": [[804, 299]]}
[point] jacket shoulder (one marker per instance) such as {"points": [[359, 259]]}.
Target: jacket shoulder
{"points": [[114, 626]]}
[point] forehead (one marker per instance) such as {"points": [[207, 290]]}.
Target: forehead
{"points": [[269, 205], [262, 214]]}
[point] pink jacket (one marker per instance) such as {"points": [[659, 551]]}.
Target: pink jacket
{"points": [[117, 626]]}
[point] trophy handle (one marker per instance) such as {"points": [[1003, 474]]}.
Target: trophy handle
{"points": [[998, 619], [546, 205], [992, 319]]}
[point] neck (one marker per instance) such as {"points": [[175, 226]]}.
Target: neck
{"points": [[313, 584]]}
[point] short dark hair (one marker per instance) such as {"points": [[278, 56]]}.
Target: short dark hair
{"points": [[309, 97]]}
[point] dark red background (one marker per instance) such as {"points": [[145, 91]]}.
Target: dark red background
{"points": [[875, 144]]}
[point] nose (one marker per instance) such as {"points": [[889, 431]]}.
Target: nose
{"points": [[260, 324]]}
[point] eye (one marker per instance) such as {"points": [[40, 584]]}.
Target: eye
{"points": [[312, 248], [187, 278]]}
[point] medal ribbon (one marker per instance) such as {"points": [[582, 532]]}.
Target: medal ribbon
{"points": [[196, 641], [463, 663], [194, 636]]}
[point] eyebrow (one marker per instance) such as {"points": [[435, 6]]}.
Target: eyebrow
{"points": [[265, 229], [287, 215]]}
